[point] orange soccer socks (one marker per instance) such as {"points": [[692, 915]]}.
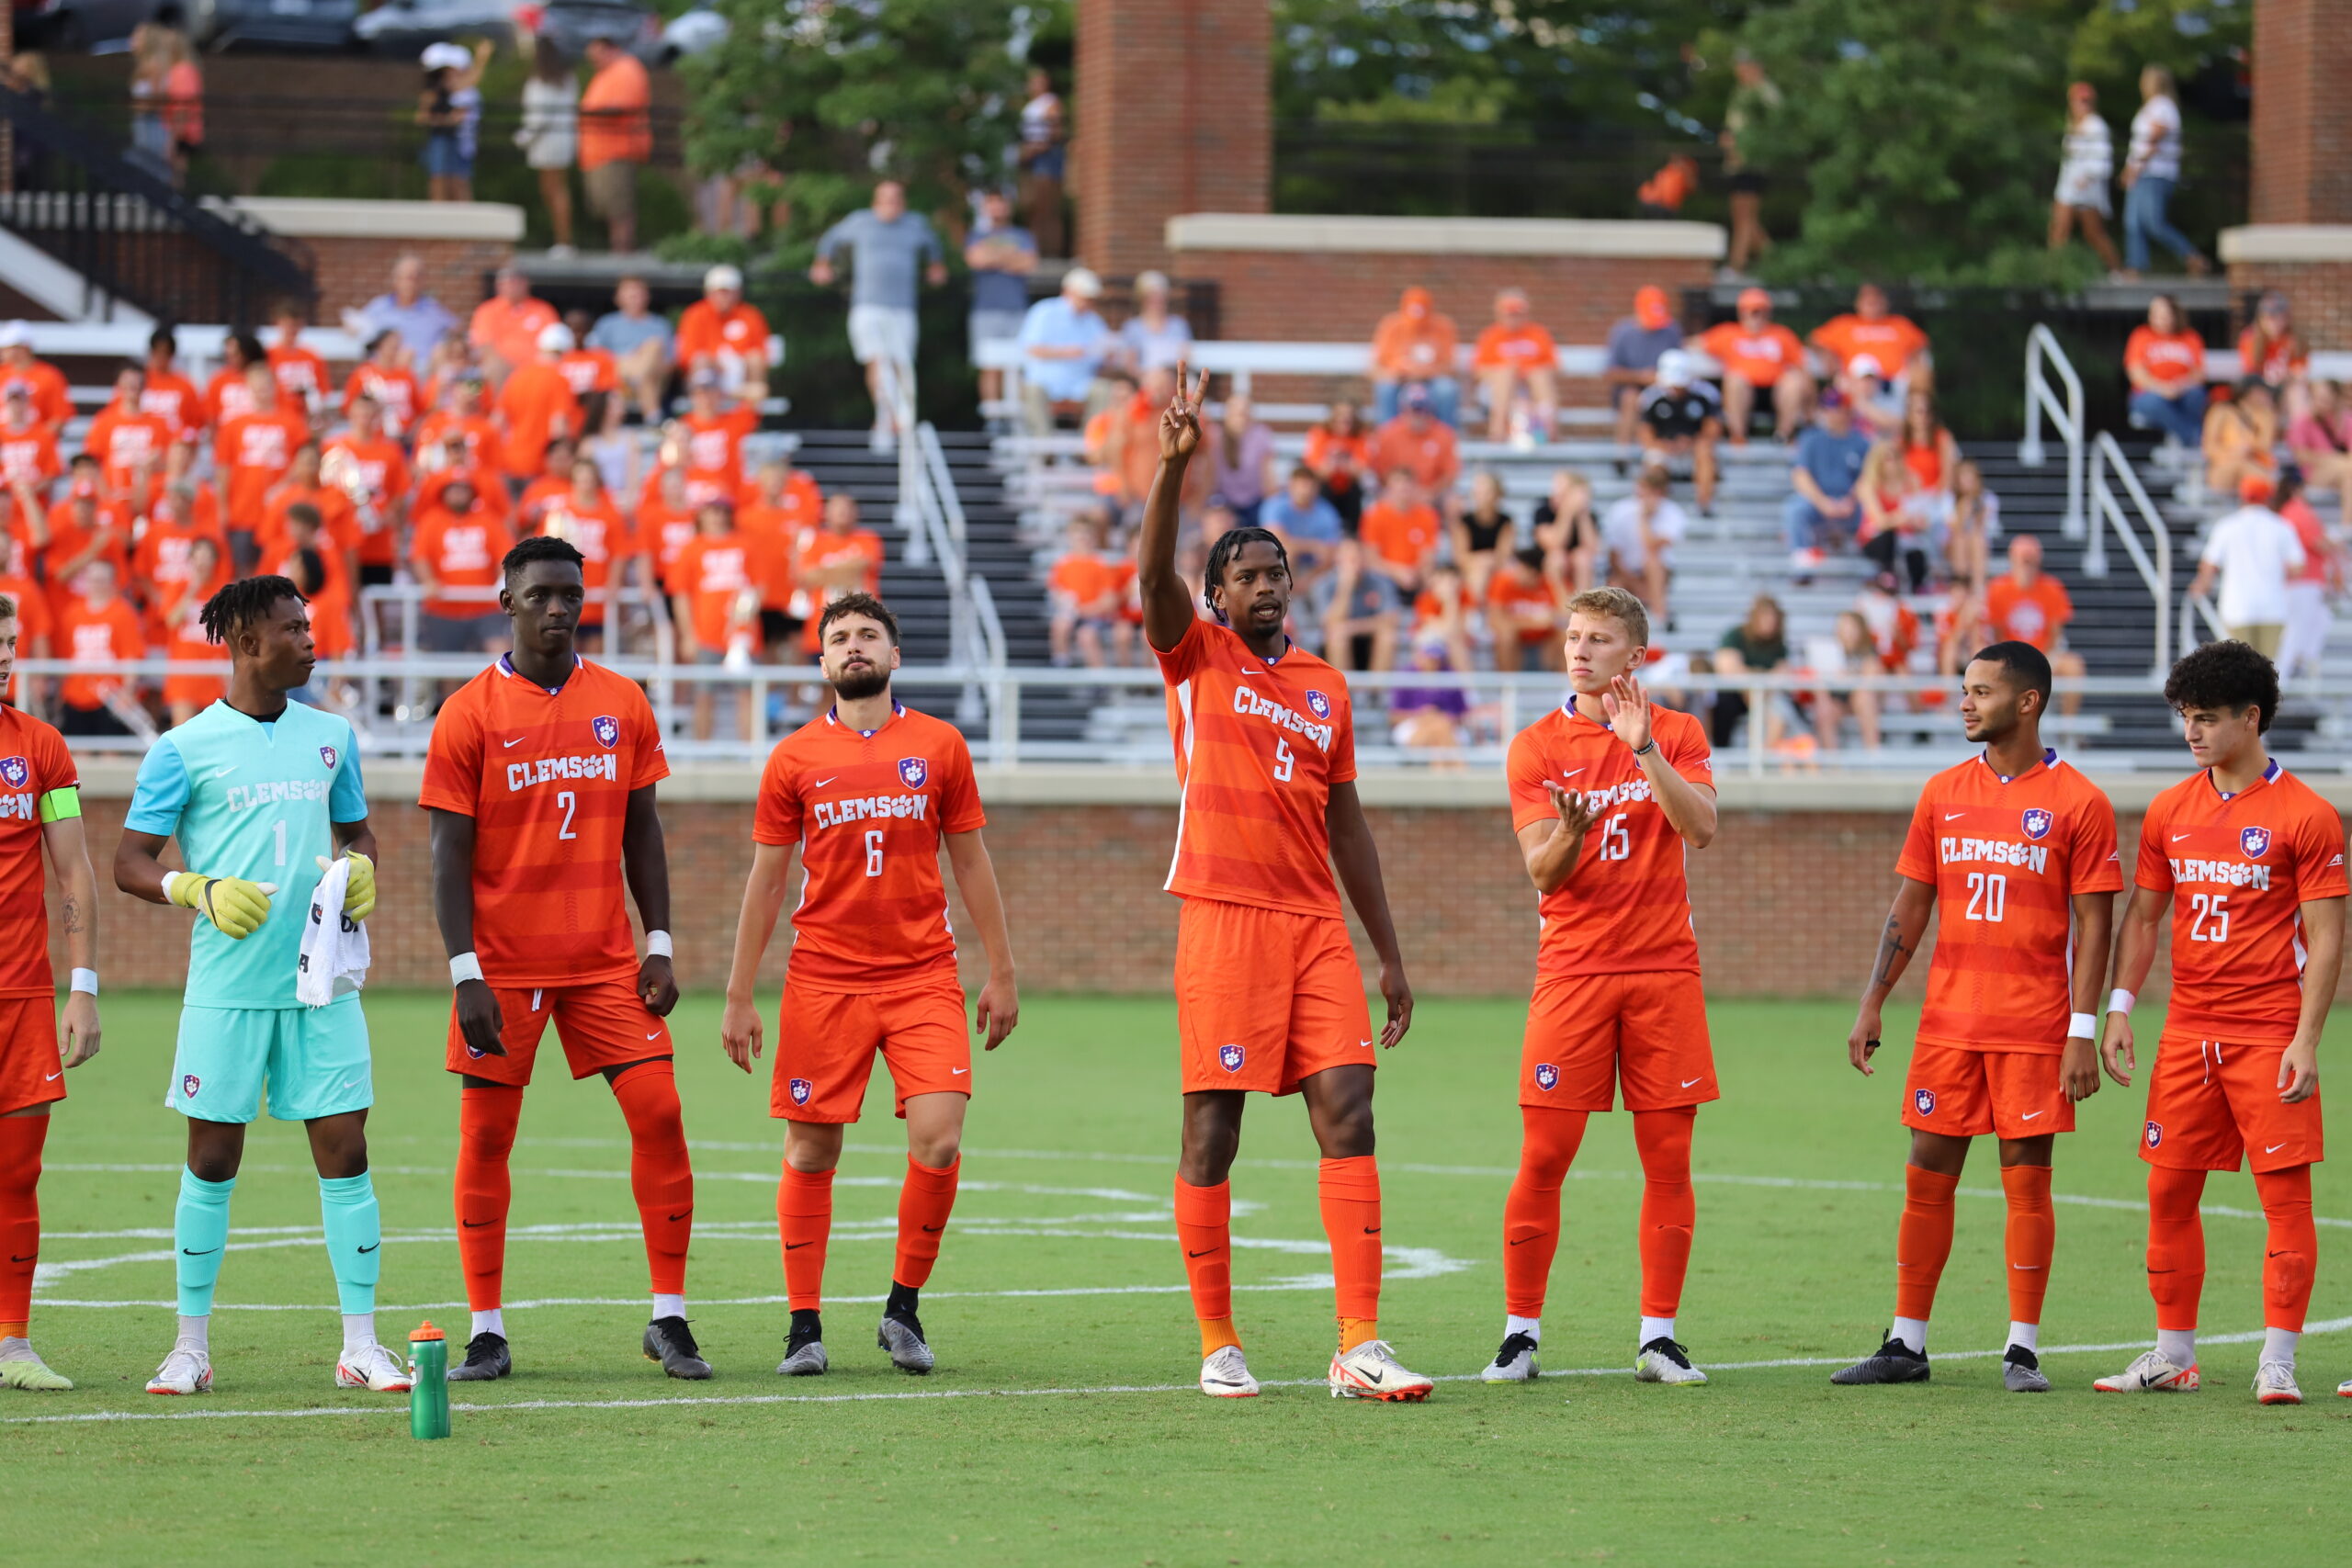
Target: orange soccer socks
{"points": [[925, 1200], [1922, 1243], [1547, 1146], [2287, 1258], [2030, 1237], [1662, 1138], [2176, 1259], [486, 1121], [1350, 1190], [20, 1144], [803, 1220], [1203, 1229], [661, 1177]]}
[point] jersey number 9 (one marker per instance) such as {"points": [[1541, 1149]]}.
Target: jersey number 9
{"points": [[1285, 761]]}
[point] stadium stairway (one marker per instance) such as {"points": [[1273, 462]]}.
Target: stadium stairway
{"points": [[841, 462]]}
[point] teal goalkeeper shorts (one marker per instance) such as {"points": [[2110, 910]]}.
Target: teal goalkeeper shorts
{"points": [[314, 1061]]}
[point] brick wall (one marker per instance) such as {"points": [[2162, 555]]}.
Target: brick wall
{"points": [[2302, 117], [2320, 292], [353, 271], [1786, 903], [1173, 114]]}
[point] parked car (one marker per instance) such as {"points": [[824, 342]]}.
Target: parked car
{"points": [[405, 27], [77, 26], [692, 32], [572, 23], [316, 25]]}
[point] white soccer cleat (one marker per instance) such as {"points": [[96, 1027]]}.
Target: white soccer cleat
{"points": [[1225, 1375], [372, 1367], [1515, 1363], [1663, 1360], [2345, 1388], [2153, 1373], [184, 1371], [1369, 1372], [2274, 1384]]}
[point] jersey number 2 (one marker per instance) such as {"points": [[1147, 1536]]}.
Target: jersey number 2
{"points": [[570, 802]]}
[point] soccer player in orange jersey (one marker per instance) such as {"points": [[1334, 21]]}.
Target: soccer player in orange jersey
{"points": [[870, 790], [1268, 995], [2017, 852], [2251, 861], [540, 778], [1608, 794], [40, 808]]}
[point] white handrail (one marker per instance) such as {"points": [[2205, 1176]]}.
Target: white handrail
{"points": [[2154, 560], [2196, 608], [2042, 347]]}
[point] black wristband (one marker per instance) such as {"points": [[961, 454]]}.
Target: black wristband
{"points": [[1647, 747]]}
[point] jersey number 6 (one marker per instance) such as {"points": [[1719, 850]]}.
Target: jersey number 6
{"points": [[873, 852]]}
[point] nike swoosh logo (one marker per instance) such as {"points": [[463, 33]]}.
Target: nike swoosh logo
{"points": [[822, 783], [957, 1072], [797, 1246], [1247, 671], [188, 1252], [351, 1083], [2028, 1115], [2178, 837], [687, 1215], [1571, 772], [1372, 1377], [1201, 1253], [366, 1250], [1688, 1082], [54, 1076], [933, 1230], [476, 1224], [655, 1035], [2274, 1148], [1372, 1230], [222, 772], [1523, 1241], [1954, 816], [28, 1257], [510, 745]]}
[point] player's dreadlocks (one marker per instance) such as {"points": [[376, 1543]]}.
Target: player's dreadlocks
{"points": [[1229, 545], [2229, 675], [243, 603], [538, 547]]}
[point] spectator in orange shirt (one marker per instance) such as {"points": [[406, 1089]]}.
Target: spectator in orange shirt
{"points": [[314, 568], [710, 437], [46, 382], [2164, 361], [83, 527], [1084, 587], [28, 606], [1401, 532], [665, 521], [167, 560], [230, 392], [535, 405], [721, 332], [1418, 442], [1871, 328], [463, 427], [2027, 605], [506, 326], [552, 485], [27, 446], [593, 373], [125, 437], [2240, 436], [1339, 449], [385, 379], [178, 629], [2270, 347], [615, 138], [586, 518], [338, 518], [100, 633], [1524, 613], [716, 607], [1414, 347], [781, 507], [1663, 194], [166, 393], [255, 450], [458, 543], [839, 557], [1513, 353], [1758, 354], [370, 467], [301, 374]]}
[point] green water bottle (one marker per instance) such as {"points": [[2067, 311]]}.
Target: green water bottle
{"points": [[428, 1392]]}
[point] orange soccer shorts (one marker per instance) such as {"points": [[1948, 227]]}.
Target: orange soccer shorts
{"points": [[1265, 998], [1588, 1033], [602, 1024], [1965, 1094], [30, 1072], [2210, 1103], [825, 1042]]}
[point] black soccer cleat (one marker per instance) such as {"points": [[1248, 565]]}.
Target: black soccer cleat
{"points": [[669, 1341], [2021, 1371], [901, 1335], [1895, 1362], [486, 1358], [803, 1347]]}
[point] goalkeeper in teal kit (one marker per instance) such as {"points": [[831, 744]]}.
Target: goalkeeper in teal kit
{"points": [[260, 791]]}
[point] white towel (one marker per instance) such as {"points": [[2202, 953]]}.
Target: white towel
{"points": [[335, 946]]}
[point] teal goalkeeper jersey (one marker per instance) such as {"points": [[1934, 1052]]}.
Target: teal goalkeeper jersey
{"points": [[254, 800]]}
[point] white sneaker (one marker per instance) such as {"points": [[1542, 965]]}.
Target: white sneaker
{"points": [[2154, 1372], [1369, 1372], [2345, 1388], [2274, 1384], [1225, 1375], [373, 1367], [1515, 1363], [1663, 1360], [184, 1371]]}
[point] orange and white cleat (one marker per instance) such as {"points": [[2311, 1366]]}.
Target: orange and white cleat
{"points": [[1369, 1372], [2274, 1384], [374, 1367], [186, 1371], [1225, 1374], [2153, 1373]]}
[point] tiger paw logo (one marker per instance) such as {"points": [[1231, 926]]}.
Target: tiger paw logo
{"points": [[607, 730], [2255, 842], [2037, 822], [800, 1090], [330, 756], [14, 772], [1231, 1057], [1547, 1077], [912, 771], [1319, 705], [189, 1084], [1924, 1101], [2155, 1133]]}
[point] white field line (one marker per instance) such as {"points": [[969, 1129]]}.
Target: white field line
{"points": [[2330, 1326]]}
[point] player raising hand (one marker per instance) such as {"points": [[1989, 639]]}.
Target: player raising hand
{"points": [[1268, 995]]}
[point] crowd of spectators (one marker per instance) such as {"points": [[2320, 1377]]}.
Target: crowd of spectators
{"points": [[421, 466]]}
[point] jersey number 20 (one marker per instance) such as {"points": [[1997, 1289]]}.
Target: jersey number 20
{"points": [[1988, 896]]}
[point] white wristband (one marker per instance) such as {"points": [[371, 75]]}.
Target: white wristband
{"points": [[465, 967], [170, 878], [2120, 1000], [2082, 1026], [85, 980], [657, 946]]}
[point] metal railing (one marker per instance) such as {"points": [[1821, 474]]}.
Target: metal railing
{"points": [[2042, 353], [2153, 560]]}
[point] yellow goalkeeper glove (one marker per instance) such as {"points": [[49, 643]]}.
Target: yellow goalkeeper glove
{"points": [[359, 895], [236, 907]]}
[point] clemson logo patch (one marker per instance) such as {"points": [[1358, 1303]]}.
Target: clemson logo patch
{"points": [[1547, 1077], [607, 730], [2037, 822], [1924, 1101], [1231, 1057], [800, 1090], [2155, 1133], [2255, 842]]}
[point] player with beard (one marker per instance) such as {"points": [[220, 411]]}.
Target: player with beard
{"points": [[540, 776], [870, 790], [1269, 997], [2017, 850]]}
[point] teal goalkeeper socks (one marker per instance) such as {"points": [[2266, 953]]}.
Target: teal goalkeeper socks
{"points": [[354, 1238], [200, 1232]]}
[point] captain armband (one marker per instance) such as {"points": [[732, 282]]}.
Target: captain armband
{"points": [[61, 803]]}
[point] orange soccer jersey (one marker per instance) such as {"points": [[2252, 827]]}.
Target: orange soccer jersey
{"points": [[1259, 745], [2004, 857], [868, 810], [33, 760], [546, 776], [1627, 906], [2240, 868]]}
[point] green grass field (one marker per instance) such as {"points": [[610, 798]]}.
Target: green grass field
{"points": [[1062, 1426]]}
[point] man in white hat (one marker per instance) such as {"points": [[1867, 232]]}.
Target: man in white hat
{"points": [[889, 249], [720, 332], [1681, 416]]}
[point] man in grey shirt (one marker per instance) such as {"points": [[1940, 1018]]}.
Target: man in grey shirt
{"points": [[886, 244], [421, 319]]}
